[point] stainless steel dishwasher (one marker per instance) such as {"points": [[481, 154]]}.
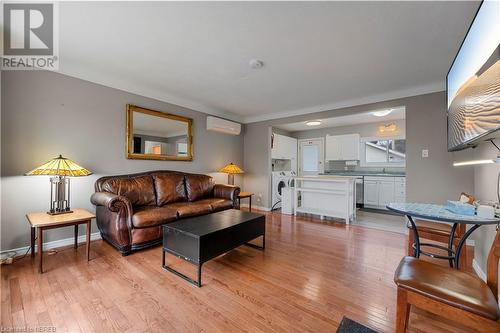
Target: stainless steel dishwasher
{"points": [[359, 191]]}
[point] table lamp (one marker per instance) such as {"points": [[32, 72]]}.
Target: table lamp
{"points": [[231, 169], [61, 168]]}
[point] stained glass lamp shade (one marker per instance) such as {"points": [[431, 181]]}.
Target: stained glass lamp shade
{"points": [[231, 169], [61, 168]]}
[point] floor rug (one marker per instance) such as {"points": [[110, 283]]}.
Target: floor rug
{"points": [[350, 326]]}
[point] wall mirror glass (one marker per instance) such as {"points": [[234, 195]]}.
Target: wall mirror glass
{"points": [[155, 135]]}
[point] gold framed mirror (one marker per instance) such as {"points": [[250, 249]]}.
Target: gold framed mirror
{"points": [[155, 135]]}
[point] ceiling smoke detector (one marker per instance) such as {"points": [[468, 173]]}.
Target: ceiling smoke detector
{"points": [[382, 113], [313, 123], [256, 64]]}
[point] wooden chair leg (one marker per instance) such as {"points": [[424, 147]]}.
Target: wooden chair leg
{"points": [[411, 240], [402, 311]]}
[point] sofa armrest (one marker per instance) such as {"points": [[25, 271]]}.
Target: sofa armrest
{"points": [[114, 219], [229, 192], [112, 201]]}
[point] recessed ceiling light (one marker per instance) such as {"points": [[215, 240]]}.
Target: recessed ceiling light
{"points": [[256, 63], [313, 123], [382, 113]]}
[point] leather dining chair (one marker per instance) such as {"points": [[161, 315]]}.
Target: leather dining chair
{"points": [[450, 293]]}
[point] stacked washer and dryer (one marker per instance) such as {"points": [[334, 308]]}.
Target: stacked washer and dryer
{"points": [[282, 181], [284, 162]]}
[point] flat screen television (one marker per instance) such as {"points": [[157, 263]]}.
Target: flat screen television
{"points": [[473, 82]]}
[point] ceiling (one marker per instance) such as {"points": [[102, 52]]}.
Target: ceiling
{"points": [[317, 55], [148, 125], [354, 119]]}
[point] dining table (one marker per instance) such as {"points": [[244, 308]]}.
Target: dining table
{"points": [[440, 213]]}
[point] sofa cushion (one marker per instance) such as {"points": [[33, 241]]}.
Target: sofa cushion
{"points": [[217, 204], [169, 187], [139, 190], [187, 209], [149, 216], [199, 186]]}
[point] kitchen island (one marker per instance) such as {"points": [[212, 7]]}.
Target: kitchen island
{"points": [[332, 196]]}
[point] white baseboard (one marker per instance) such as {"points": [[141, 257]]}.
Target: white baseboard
{"points": [[50, 245], [478, 270], [265, 209]]}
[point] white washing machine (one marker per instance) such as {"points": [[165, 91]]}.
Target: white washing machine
{"points": [[280, 180]]}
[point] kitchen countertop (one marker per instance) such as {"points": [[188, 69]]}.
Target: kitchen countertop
{"points": [[325, 177], [365, 173]]}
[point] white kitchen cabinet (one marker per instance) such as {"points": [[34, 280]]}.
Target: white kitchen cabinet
{"points": [[370, 193], [284, 148], [399, 189], [380, 191], [342, 147], [385, 192], [333, 150]]}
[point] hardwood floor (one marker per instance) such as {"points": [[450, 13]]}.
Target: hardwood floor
{"points": [[311, 274]]}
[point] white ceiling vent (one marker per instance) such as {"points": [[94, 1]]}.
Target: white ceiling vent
{"points": [[223, 126]]}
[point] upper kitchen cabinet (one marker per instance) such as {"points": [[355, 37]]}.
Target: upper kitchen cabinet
{"points": [[342, 147], [284, 148]]}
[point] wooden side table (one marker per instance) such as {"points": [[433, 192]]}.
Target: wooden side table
{"points": [[43, 221], [244, 195]]}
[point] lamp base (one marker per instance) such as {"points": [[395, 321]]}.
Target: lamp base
{"points": [[230, 179], [59, 213]]}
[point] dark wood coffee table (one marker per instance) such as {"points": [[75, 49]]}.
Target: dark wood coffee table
{"points": [[199, 239]]}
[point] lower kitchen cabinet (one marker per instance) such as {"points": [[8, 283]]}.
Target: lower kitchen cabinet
{"points": [[370, 193], [380, 191]]}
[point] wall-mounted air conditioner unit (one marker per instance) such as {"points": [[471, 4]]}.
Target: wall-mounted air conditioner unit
{"points": [[223, 126]]}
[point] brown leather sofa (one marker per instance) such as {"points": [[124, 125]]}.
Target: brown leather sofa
{"points": [[131, 208]]}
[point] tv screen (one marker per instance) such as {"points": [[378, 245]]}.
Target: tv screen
{"points": [[473, 81]]}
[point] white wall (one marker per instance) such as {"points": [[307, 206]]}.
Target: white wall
{"points": [[485, 189], [45, 114]]}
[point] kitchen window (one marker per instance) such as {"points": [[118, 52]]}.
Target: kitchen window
{"points": [[383, 152]]}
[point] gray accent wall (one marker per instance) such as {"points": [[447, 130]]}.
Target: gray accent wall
{"points": [[485, 190], [431, 179], [45, 114]]}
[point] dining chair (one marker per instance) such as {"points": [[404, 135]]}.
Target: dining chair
{"points": [[450, 293], [440, 232], [437, 232]]}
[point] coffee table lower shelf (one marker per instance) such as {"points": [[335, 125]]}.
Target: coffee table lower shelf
{"points": [[197, 282], [200, 239]]}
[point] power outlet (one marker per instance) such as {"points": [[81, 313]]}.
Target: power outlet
{"points": [[259, 197], [425, 153]]}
